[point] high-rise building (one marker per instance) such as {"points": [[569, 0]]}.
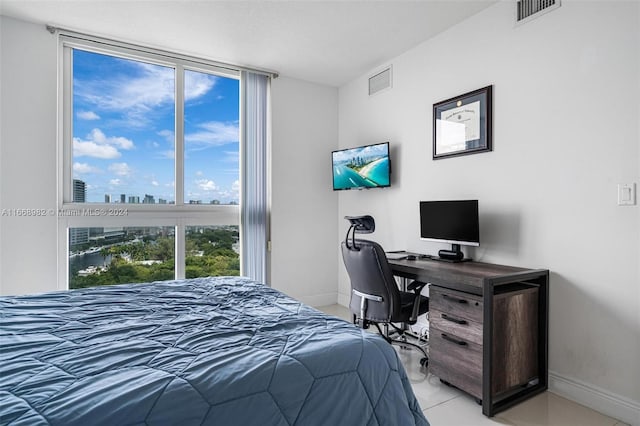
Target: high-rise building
{"points": [[134, 199], [123, 198], [79, 191], [79, 235], [148, 199], [107, 198], [95, 232]]}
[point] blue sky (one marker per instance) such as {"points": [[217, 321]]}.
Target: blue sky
{"points": [[346, 155], [123, 130]]}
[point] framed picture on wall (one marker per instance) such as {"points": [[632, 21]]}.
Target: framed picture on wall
{"points": [[462, 125]]}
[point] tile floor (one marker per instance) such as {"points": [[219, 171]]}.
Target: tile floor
{"points": [[446, 406]]}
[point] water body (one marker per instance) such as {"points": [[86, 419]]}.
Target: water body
{"points": [[373, 175], [77, 263], [377, 171]]}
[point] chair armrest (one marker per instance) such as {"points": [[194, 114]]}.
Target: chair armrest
{"points": [[364, 298]]}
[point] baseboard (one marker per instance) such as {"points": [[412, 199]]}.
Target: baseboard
{"points": [[601, 400], [319, 299], [343, 299]]}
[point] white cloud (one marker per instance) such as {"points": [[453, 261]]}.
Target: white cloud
{"points": [[214, 133], [98, 145], [168, 154], [115, 182], [199, 173], [99, 137], [197, 84], [87, 115], [120, 169], [155, 183], [206, 185], [140, 91], [233, 193], [152, 86], [85, 168], [92, 149], [232, 156], [168, 135]]}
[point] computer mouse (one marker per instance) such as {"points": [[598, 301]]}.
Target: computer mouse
{"points": [[411, 257]]}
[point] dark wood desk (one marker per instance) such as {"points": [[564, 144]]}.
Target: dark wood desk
{"points": [[488, 328]]}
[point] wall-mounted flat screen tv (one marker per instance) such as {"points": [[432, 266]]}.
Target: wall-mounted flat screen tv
{"points": [[361, 167]]}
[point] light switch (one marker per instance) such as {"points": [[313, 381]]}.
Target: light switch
{"points": [[626, 194]]}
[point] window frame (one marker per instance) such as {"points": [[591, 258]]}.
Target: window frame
{"points": [[179, 215]]}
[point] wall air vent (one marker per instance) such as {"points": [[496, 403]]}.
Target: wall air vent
{"points": [[380, 81], [527, 10]]}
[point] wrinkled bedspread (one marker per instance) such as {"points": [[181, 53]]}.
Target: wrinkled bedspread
{"points": [[223, 351]]}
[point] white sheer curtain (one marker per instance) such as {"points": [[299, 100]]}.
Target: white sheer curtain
{"points": [[253, 203]]}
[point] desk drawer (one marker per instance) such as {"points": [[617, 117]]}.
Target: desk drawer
{"points": [[456, 303], [456, 361], [456, 326]]}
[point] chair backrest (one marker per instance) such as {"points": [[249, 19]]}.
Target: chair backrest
{"points": [[370, 273]]}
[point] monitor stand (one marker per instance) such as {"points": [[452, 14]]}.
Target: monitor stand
{"points": [[453, 255]]}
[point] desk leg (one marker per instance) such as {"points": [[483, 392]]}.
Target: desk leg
{"points": [[487, 352]]}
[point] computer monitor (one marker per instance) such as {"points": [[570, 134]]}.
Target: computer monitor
{"points": [[455, 222]]}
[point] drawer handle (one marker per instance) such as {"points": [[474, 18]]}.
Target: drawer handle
{"points": [[452, 340], [452, 319], [455, 299]]}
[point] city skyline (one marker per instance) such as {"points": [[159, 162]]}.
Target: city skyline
{"points": [[124, 131], [79, 196]]}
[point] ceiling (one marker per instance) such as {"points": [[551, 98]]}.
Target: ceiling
{"points": [[327, 42]]}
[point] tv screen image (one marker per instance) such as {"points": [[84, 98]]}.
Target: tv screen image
{"points": [[361, 167]]}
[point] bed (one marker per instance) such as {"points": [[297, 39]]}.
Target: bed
{"points": [[224, 351]]}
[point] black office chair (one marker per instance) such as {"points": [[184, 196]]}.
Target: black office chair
{"points": [[375, 297]]}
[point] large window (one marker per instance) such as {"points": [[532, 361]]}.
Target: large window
{"points": [[212, 250], [123, 255], [123, 143], [150, 166]]}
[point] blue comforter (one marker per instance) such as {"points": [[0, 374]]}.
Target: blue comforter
{"points": [[223, 351]]}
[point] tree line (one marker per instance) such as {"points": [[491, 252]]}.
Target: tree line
{"points": [[209, 252]]}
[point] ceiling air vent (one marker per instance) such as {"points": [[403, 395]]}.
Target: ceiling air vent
{"points": [[527, 10], [380, 81]]}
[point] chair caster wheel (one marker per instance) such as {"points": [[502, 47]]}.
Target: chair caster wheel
{"points": [[424, 361]]}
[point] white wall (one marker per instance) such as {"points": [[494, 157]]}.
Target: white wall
{"points": [[304, 207], [566, 110], [28, 156], [303, 219]]}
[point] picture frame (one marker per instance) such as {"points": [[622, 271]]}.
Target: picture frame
{"points": [[462, 125]]}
